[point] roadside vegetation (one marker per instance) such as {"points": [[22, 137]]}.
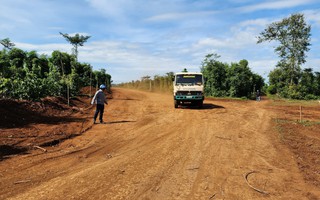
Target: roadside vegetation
{"points": [[30, 76], [288, 80]]}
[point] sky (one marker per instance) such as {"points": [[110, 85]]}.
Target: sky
{"points": [[135, 38]]}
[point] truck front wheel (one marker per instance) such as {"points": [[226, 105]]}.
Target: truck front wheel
{"points": [[200, 104], [176, 104]]}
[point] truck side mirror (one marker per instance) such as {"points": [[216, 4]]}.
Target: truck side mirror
{"points": [[172, 79]]}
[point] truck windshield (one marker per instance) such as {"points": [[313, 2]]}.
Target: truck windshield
{"points": [[194, 79]]}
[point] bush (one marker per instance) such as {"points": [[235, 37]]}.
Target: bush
{"points": [[272, 89], [311, 97]]}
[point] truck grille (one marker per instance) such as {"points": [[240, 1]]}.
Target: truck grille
{"points": [[189, 95], [183, 93]]}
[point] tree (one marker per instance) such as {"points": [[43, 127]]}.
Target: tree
{"points": [[5, 65], [317, 84], [101, 77], [31, 59], [17, 57], [240, 79], [51, 84], [76, 40], [7, 43], [307, 82], [215, 73], [235, 80], [62, 61], [293, 34], [26, 75]]}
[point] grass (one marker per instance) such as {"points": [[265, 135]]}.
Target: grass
{"points": [[291, 102], [308, 123], [280, 129]]}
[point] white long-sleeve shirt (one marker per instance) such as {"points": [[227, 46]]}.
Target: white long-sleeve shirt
{"points": [[99, 97]]}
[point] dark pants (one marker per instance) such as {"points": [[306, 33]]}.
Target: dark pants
{"points": [[100, 109]]}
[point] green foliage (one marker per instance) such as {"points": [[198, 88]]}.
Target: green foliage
{"points": [[215, 74], [235, 80], [76, 40], [51, 84], [16, 57], [272, 89], [287, 79], [62, 61], [240, 80], [293, 34], [317, 84], [101, 77], [7, 43], [4, 64], [30, 87], [26, 75], [5, 84], [306, 87]]}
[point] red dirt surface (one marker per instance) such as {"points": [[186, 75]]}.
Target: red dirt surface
{"points": [[148, 150]]}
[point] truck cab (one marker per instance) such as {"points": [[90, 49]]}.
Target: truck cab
{"points": [[188, 89]]}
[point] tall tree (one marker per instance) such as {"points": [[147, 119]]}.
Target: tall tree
{"points": [[7, 43], [293, 34], [240, 79], [215, 73], [76, 40]]}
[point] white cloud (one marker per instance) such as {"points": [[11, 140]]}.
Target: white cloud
{"points": [[275, 5], [313, 16], [44, 48], [211, 42], [262, 22], [181, 16], [110, 8]]}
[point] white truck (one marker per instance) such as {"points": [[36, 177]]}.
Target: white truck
{"points": [[188, 89]]}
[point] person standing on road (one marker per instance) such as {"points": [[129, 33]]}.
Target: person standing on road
{"points": [[258, 97], [100, 99]]}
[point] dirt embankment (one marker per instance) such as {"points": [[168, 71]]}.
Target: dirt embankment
{"points": [[149, 150], [26, 124]]}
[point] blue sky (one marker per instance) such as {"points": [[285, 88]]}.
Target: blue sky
{"points": [[135, 38]]}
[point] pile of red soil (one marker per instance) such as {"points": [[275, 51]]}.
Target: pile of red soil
{"points": [[26, 124]]}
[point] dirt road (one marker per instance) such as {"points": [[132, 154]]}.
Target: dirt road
{"points": [[149, 150]]}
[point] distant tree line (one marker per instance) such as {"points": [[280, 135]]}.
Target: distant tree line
{"points": [[221, 79], [28, 75], [229, 80]]}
